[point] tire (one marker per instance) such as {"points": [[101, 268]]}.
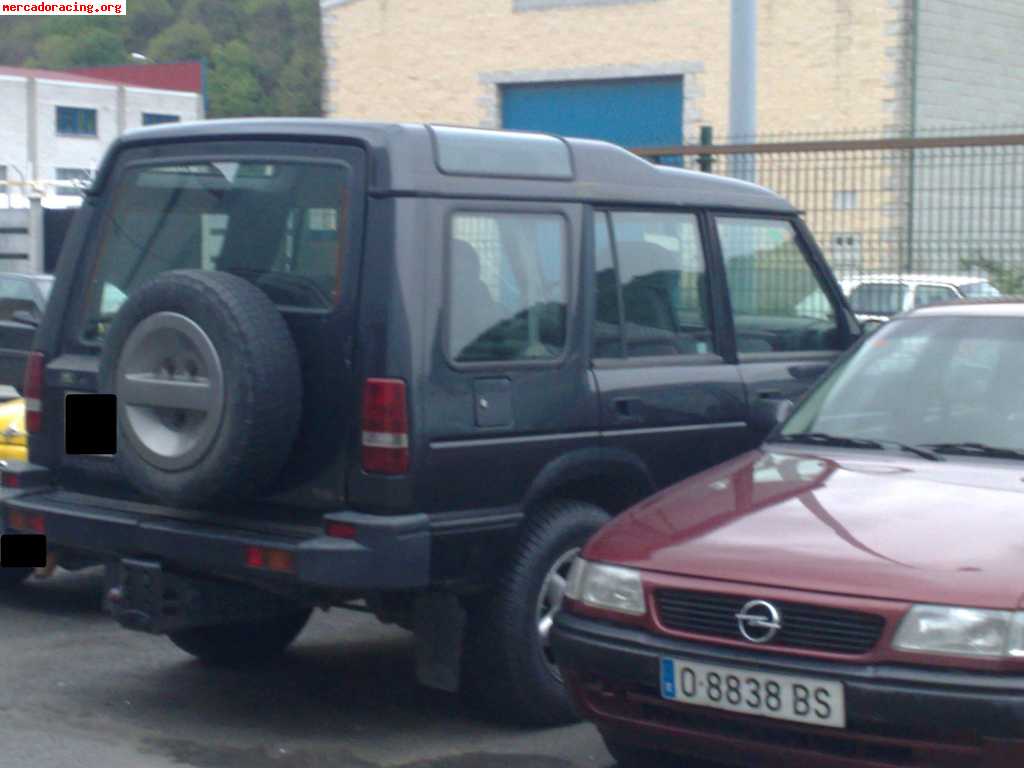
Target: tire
{"points": [[242, 643], [628, 756], [250, 366], [13, 577], [505, 670]]}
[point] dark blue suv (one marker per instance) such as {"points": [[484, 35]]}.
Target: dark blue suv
{"points": [[399, 367]]}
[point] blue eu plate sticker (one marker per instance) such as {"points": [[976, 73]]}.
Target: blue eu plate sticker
{"points": [[668, 679]]}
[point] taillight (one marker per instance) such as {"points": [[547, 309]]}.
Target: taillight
{"points": [[338, 530], [385, 427], [26, 521], [32, 389], [277, 560]]}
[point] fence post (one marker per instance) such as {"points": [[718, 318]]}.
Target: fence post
{"points": [[706, 140]]}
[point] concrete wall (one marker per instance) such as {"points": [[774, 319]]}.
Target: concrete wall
{"points": [[13, 147], [60, 151], [823, 64], [969, 77], [969, 61]]}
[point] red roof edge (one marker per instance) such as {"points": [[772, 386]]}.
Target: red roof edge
{"points": [[177, 76]]}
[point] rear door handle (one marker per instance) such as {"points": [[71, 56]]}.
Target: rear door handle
{"points": [[770, 394]]}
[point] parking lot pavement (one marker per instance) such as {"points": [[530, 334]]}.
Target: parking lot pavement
{"points": [[78, 691]]}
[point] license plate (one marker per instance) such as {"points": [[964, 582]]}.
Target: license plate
{"points": [[805, 700]]}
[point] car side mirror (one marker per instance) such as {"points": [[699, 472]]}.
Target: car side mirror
{"points": [[870, 326], [26, 317], [767, 414]]}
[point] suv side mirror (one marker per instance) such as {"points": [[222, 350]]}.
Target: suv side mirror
{"points": [[766, 415], [26, 317]]}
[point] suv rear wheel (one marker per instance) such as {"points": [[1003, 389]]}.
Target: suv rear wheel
{"points": [[241, 643], [508, 666]]}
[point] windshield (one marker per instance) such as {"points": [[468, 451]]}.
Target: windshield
{"points": [[925, 381]]}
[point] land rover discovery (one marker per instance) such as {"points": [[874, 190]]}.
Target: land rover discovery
{"points": [[401, 368]]}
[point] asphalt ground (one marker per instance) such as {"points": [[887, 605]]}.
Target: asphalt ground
{"points": [[77, 691]]}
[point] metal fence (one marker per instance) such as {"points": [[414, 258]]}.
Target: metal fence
{"points": [[950, 204]]}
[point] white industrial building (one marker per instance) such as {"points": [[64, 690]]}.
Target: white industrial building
{"points": [[56, 126]]}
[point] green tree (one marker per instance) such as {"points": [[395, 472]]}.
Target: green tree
{"points": [[223, 20], [264, 57], [233, 88], [147, 19], [182, 41], [299, 88], [95, 47]]}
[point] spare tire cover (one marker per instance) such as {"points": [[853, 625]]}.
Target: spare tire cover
{"points": [[208, 385]]}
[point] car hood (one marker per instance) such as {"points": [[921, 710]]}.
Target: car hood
{"points": [[847, 522]]}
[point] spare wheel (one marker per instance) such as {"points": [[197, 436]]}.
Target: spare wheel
{"points": [[209, 391]]}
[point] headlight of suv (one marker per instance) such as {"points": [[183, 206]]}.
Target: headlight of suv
{"points": [[606, 586], [961, 631]]}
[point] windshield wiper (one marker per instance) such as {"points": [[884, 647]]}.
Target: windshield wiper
{"points": [[822, 438], [976, 449]]}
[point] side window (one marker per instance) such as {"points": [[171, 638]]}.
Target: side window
{"points": [[878, 298], [15, 295], [778, 303], [932, 294], [662, 287], [507, 286]]}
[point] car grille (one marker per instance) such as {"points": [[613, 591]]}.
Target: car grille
{"points": [[803, 626]]}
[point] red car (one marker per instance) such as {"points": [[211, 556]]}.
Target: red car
{"points": [[850, 594]]}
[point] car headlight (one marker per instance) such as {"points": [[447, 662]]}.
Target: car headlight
{"points": [[610, 587], [961, 631]]}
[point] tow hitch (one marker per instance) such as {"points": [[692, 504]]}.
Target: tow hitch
{"points": [[143, 596]]}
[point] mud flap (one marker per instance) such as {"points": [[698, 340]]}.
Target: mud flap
{"points": [[439, 624]]}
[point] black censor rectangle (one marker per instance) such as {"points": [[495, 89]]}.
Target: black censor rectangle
{"points": [[90, 424], [22, 550]]}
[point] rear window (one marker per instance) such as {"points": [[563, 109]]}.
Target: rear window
{"points": [[878, 298], [15, 295], [277, 224]]}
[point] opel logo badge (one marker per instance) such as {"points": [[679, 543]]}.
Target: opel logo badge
{"points": [[759, 621]]}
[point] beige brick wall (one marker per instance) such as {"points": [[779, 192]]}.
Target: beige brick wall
{"points": [[824, 65]]}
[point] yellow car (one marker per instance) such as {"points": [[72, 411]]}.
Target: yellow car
{"points": [[13, 438]]}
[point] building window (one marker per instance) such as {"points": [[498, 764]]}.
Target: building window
{"points": [[75, 121], [844, 199], [155, 118]]}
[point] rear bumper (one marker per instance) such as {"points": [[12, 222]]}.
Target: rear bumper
{"points": [[895, 715], [387, 553]]}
